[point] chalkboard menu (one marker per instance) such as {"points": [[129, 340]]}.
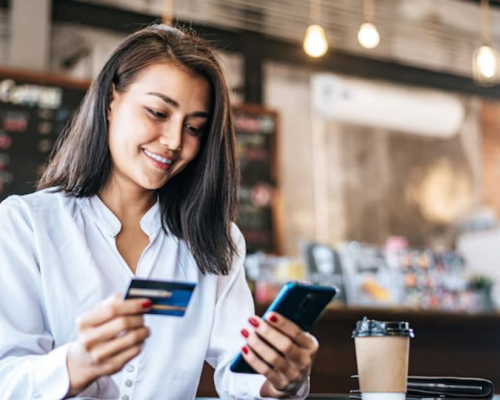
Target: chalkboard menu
{"points": [[34, 108], [256, 136]]}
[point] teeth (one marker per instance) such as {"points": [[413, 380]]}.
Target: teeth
{"points": [[158, 158]]}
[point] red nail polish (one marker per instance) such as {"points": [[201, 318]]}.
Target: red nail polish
{"points": [[273, 318], [245, 333], [253, 322], [244, 349], [147, 304]]}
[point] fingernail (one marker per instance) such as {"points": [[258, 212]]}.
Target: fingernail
{"points": [[147, 304], [245, 333], [253, 322], [244, 349], [273, 318]]}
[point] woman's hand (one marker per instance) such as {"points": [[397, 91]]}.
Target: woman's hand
{"points": [[281, 351], [109, 337]]}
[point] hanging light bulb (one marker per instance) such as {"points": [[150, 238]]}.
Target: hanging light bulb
{"points": [[368, 36], [168, 12], [486, 60], [315, 43]]}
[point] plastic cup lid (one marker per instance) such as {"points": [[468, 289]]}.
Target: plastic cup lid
{"points": [[368, 328]]}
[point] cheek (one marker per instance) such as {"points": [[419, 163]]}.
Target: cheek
{"points": [[192, 147], [130, 129]]}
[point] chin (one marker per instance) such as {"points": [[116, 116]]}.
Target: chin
{"points": [[149, 185], [154, 181]]}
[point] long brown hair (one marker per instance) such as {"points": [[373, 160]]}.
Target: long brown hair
{"points": [[198, 204]]}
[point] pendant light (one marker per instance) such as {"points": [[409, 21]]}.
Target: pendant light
{"points": [[168, 12], [486, 60], [315, 43], [368, 36]]}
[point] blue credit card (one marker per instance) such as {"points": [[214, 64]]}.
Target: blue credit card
{"points": [[169, 298]]}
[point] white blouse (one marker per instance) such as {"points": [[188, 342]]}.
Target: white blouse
{"points": [[58, 258]]}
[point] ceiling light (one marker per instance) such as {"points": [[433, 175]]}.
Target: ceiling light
{"points": [[168, 12], [485, 60], [315, 43], [368, 36]]}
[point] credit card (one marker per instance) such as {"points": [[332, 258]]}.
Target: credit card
{"points": [[169, 298]]}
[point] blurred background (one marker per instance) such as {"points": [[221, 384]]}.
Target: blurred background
{"points": [[369, 141]]}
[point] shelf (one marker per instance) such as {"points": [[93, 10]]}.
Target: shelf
{"points": [[343, 312]]}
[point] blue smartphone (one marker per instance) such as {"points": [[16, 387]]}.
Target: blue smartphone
{"points": [[301, 303]]}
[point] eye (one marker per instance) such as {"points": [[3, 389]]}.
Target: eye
{"points": [[195, 131], [156, 114]]}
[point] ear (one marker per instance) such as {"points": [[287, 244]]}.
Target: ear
{"points": [[112, 98]]}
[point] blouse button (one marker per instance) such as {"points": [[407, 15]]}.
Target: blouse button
{"points": [[128, 383], [125, 397], [130, 368]]}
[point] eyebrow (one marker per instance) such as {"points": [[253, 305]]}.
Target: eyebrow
{"points": [[173, 103]]}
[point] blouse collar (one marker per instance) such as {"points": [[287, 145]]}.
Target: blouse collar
{"points": [[104, 217]]}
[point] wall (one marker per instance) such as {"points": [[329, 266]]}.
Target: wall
{"points": [[87, 49], [288, 91], [377, 182], [490, 149], [399, 184], [4, 37]]}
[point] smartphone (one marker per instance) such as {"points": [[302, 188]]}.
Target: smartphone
{"points": [[299, 302]]}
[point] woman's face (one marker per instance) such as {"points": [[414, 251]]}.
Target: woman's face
{"points": [[156, 125]]}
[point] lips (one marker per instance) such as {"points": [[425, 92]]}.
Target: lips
{"points": [[159, 161]]}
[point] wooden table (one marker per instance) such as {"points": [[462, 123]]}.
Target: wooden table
{"points": [[311, 397]]}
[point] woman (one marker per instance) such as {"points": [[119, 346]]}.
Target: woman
{"points": [[141, 184]]}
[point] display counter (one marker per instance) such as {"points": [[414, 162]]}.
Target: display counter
{"points": [[451, 344]]}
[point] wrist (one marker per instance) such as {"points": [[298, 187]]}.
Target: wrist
{"points": [[80, 375], [268, 390]]}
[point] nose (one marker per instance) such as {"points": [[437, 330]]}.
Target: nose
{"points": [[172, 135]]}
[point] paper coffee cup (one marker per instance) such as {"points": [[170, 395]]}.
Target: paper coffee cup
{"points": [[382, 354]]}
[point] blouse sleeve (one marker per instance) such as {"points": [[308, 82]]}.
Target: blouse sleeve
{"points": [[30, 366], [234, 307]]}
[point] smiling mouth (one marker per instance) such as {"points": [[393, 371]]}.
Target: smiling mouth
{"points": [[158, 161]]}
